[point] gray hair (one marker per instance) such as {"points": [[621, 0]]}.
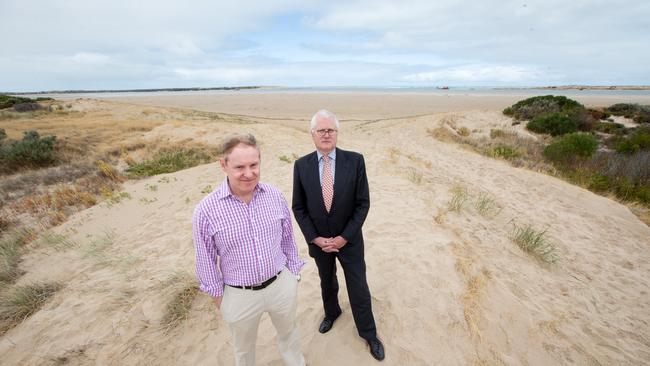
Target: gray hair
{"points": [[323, 114], [231, 142]]}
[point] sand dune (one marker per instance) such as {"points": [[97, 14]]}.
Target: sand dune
{"points": [[449, 288]]}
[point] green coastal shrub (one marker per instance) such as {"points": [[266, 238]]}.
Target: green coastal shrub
{"points": [[8, 101], [571, 147], [530, 108], [610, 127], [554, 124], [636, 112], [32, 151], [637, 141], [598, 114]]}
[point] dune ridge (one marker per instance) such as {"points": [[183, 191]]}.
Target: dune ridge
{"points": [[449, 287]]}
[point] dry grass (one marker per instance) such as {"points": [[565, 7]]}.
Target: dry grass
{"points": [[179, 307], [459, 196], [414, 175], [20, 303], [443, 134], [100, 249], [393, 155], [463, 131], [520, 151], [475, 286], [289, 159], [53, 240], [52, 207], [419, 160], [12, 245], [439, 218], [108, 171]]}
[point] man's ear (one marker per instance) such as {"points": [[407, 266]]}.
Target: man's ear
{"points": [[222, 162]]}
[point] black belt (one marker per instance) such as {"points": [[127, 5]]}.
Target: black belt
{"points": [[260, 286]]}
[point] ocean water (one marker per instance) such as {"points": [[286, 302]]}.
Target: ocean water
{"points": [[453, 90]]}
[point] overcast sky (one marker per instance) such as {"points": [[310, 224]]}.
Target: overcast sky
{"points": [[86, 44]]}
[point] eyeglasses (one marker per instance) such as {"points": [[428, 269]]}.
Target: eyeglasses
{"points": [[327, 131]]}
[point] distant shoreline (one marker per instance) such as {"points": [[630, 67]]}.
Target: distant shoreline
{"points": [[585, 87], [258, 87]]}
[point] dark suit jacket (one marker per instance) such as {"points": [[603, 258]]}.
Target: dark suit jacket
{"points": [[350, 203]]}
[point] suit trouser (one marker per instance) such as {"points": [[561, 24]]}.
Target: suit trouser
{"points": [[242, 310], [354, 267]]}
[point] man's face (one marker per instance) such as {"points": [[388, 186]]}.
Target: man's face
{"points": [[325, 142], [242, 169]]}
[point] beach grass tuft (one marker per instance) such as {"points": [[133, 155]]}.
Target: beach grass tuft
{"points": [[485, 205], [459, 197], [20, 303], [179, 307], [464, 131], [11, 250], [414, 175], [54, 240], [534, 242], [288, 159]]}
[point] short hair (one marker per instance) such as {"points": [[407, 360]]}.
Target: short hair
{"points": [[231, 142], [323, 113]]}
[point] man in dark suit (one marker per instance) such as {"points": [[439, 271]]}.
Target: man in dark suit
{"points": [[330, 203]]}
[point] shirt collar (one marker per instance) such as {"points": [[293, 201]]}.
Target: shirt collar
{"points": [[224, 189], [332, 154]]}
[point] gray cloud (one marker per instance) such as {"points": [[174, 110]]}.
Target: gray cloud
{"points": [[144, 44]]}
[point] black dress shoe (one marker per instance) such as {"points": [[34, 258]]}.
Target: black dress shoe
{"points": [[326, 324], [376, 349]]}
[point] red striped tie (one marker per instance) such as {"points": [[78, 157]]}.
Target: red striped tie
{"points": [[328, 183]]}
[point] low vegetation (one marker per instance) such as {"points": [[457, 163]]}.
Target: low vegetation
{"points": [[635, 112], [601, 155], [530, 108], [8, 101], [486, 205], [11, 248], [31, 152], [179, 307], [605, 156], [534, 242], [571, 148], [171, 160], [636, 140], [20, 303], [554, 115], [54, 162], [459, 197], [555, 124]]}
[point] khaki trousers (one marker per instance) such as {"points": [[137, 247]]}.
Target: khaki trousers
{"points": [[242, 310]]}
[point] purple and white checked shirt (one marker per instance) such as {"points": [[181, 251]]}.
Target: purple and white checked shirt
{"points": [[252, 241]]}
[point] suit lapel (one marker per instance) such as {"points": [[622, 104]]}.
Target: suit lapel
{"points": [[314, 179], [341, 175]]}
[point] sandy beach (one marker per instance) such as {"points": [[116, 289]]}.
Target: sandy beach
{"points": [[448, 287]]}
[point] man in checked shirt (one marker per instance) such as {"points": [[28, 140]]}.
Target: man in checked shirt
{"points": [[246, 255]]}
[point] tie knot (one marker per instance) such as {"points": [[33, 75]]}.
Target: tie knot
{"points": [[326, 158]]}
